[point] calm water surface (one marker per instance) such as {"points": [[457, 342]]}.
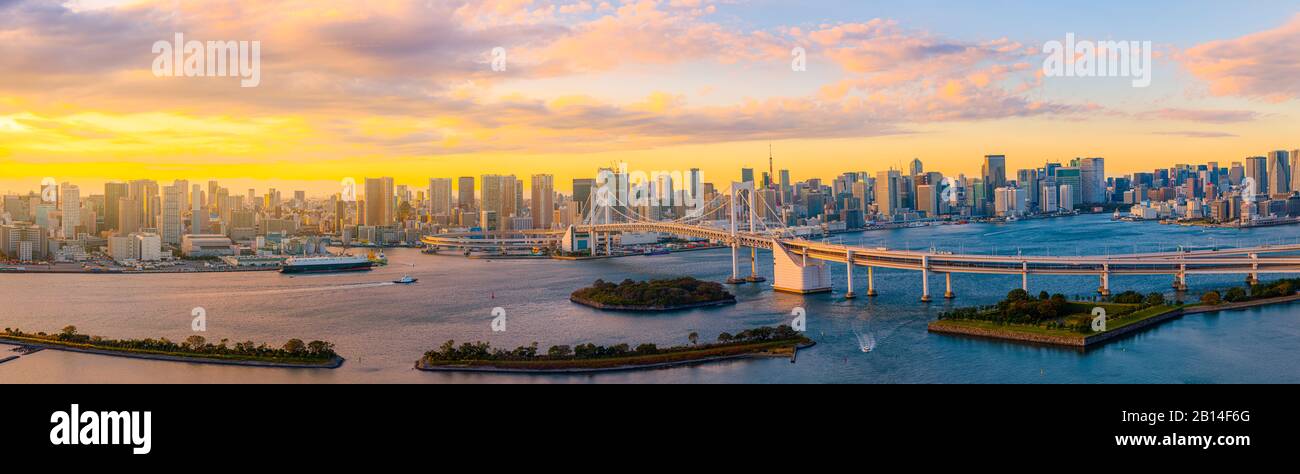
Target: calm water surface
{"points": [[383, 328]]}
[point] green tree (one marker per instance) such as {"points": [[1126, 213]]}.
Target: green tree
{"points": [[724, 337], [295, 346], [559, 352], [195, 342], [1211, 298], [694, 337]]}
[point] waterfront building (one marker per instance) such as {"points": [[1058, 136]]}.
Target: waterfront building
{"points": [[1065, 196], [207, 245], [24, 242], [1047, 199]]}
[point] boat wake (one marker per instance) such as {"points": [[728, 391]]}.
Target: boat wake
{"points": [[866, 342]]}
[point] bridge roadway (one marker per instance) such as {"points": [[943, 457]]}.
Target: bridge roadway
{"points": [[1248, 261]]}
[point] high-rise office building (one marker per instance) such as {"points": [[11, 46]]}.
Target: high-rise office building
{"points": [[173, 202], [70, 205], [499, 199], [582, 194], [128, 216], [1257, 171], [746, 175], [1294, 164], [440, 196], [198, 216], [927, 199], [1279, 172], [543, 200], [1047, 199], [113, 192], [994, 175], [1092, 180], [1066, 196], [915, 168], [887, 192], [379, 202], [465, 193]]}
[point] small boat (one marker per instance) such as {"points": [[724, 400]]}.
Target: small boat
{"points": [[406, 280]]}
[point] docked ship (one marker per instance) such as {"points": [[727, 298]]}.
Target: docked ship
{"points": [[342, 263]]}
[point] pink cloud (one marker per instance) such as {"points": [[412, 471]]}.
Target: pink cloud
{"points": [[1260, 65]]}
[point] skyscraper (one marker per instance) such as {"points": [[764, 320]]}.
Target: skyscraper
{"points": [[1257, 170], [746, 175], [128, 216], [440, 196], [1092, 180], [197, 215], [70, 204], [887, 192], [173, 201], [582, 193], [379, 201], [499, 196], [1279, 172], [994, 175], [465, 193], [915, 168], [543, 200]]}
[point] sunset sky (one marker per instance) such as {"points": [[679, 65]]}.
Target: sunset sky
{"points": [[407, 89]]}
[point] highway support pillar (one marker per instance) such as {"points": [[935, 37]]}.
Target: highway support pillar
{"points": [[925, 279], [871, 281], [849, 269]]}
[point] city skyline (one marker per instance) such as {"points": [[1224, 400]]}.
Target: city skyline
{"points": [[883, 84], [563, 184]]}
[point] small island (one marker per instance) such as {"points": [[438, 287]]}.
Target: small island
{"points": [[1056, 321], [293, 354], [654, 295], [781, 341]]}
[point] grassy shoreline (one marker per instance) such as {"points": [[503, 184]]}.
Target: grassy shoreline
{"points": [[1115, 328]]}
